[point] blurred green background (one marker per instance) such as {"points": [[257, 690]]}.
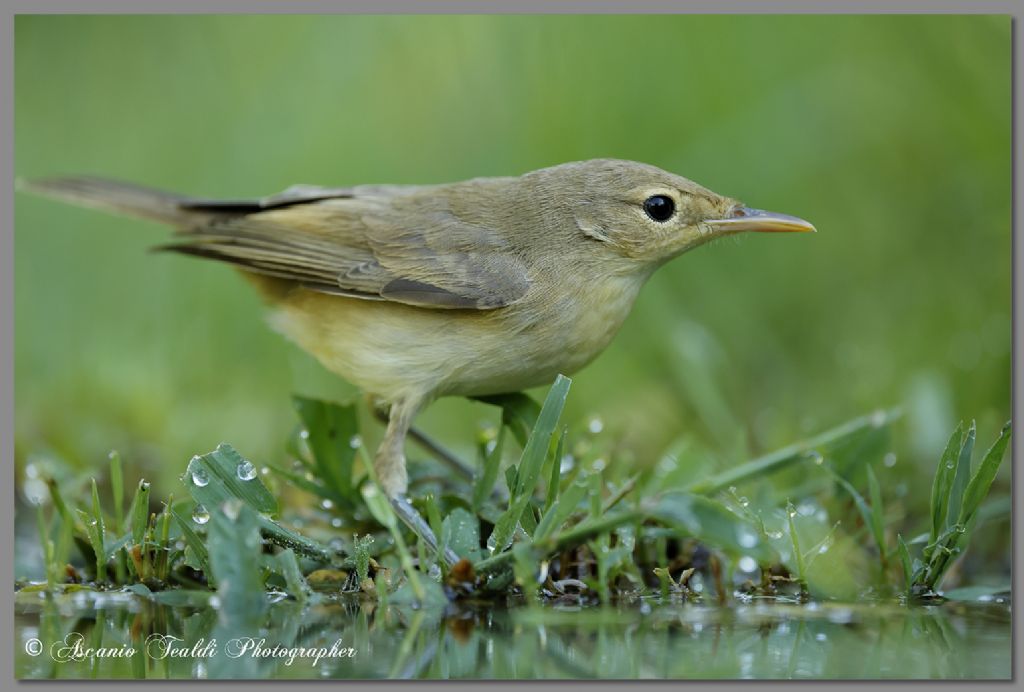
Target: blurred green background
{"points": [[890, 133]]}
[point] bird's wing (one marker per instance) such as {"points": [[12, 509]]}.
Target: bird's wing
{"points": [[382, 244]]}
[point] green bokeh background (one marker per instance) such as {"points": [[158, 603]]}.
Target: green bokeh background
{"points": [[890, 133]]}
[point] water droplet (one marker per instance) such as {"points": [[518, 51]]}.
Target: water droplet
{"points": [[214, 602], [744, 502], [565, 466], [179, 545], [950, 465], [246, 471], [144, 485], [878, 418], [434, 572], [791, 511], [960, 528], [747, 564], [599, 464], [304, 434], [774, 535], [490, 446], [595, 425], [745, 537], [199, 476], [31, 471], [336, 522], [889, 459], [355, 442], [265, 471], [821, 637], [816, 457], [326, 504], [200, 515]]}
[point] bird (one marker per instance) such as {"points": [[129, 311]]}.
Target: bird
{"points": [[481, 287]]}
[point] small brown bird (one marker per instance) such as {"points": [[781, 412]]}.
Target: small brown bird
{"points": [[480, 287]]}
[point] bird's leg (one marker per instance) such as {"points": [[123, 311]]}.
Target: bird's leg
{"points": [[439, 452], [389, 465]]}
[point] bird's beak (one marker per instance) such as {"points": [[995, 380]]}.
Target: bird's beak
{"points": [[759, 221]]}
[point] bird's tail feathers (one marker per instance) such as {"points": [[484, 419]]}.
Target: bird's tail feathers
{"points": [[114, 196]]}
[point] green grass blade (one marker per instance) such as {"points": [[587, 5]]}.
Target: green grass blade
{"points": [[713, 523], [224, 474], [961, 477], [382, 511], [557, 514], [193, 541], [117, 490], [97, 534], [942, 482], [534, 454], [492, 465], [332, 428], [235, 549], [295, 583], [139, 511], [979, 485], [792, 454], [556, 472], [794, 537], [877, 515], [908, 573]]}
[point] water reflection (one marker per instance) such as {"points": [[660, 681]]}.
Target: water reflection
{"points": [[647, 639]]}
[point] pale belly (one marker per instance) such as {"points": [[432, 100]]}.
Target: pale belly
{"points": [[397, 351]]}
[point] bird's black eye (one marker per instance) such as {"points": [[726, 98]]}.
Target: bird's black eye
{"points": [[660, 207]]}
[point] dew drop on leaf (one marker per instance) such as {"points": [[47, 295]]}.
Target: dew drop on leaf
{"points": [[200, 515], [246, 471]]}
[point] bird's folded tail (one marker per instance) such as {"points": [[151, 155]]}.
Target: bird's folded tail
{"points": [[116, 197]]}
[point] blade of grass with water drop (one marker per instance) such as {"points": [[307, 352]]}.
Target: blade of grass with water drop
{"points": [[980, 484], [961, 477], [794, 537], [942, 482], [331, 429], [138, 511], [224, 474], [192, 540], [787, 456]]}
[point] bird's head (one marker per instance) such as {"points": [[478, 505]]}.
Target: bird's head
{"points": [[646, 216]]}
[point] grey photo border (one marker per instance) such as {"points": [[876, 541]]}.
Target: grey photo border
{"points": [[8, 9]]}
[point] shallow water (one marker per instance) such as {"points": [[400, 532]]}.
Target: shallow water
{"points": [[647, 639]]}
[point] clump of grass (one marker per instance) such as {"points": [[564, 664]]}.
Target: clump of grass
{"points": [[564, 524], [957, 496]]}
